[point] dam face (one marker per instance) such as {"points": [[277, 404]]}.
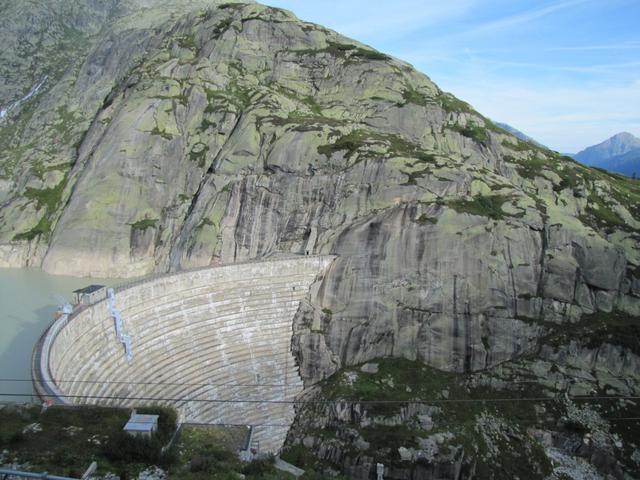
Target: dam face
{"points": [[215, 343]]}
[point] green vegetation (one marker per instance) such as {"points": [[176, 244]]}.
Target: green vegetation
{"points": [[49, 199], [599, 213], [232, 6], [411, 95], [161, 133], [65, 440], [43, 227], [425, 219], [144, 224], [592, 331], [450, 104], [207, 452], [187, 41], [205, 124], [234, 94], [346, 51], [624, 190], [222, 27], [199, 156], [182, 99], [123, 449], [519, 146], [349, 143], [362, 141], [473, 131], [493, 434], [532, 167], [481, 205]]}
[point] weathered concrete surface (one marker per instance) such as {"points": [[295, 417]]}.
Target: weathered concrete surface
{"points": [[215, 343]]}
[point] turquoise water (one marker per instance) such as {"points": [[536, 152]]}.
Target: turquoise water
{"points": [[28, 298]]}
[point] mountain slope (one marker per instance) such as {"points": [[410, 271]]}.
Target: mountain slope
{"points": [[220, 134], [627, 163], [518, 134], [620, 153]]}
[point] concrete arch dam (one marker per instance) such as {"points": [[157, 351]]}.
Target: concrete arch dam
{"points": [[214, 342]]}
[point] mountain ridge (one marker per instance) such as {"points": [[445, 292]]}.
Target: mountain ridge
{"points": [[619, 153]]}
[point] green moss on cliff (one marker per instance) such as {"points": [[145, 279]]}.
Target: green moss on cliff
{"points": [[592, 331], [144, 224], [481, 205], [451, 104], [43, 227], [473, 131], [346, 51]]}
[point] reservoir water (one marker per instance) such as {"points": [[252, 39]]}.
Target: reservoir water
{"points": [[28, 298]]}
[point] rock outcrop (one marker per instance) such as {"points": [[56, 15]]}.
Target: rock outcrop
{"points": [[199, 133]]}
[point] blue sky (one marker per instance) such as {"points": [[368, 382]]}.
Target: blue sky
{"points": [[566, 72]]}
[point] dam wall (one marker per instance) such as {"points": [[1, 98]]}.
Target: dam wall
{"points": [[215, 343]]}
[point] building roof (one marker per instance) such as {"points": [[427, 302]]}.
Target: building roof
{"points": [[89, 289], [141, 423]]}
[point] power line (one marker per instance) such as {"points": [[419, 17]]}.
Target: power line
{"points": [[588, 398], [203, 384], [172, 384]]}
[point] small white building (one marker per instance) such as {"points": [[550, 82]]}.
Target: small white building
{"points": [[141, 425]]}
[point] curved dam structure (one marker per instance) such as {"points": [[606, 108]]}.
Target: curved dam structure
{"points": [[215, 343]]}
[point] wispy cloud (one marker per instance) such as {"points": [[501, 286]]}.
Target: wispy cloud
{"points": [[590, 48], [523, 17], [358, 19]]}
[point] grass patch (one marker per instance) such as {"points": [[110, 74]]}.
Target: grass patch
{"points": [[531, 168], [592, 331], [473, 131], [43, 227], [425, 219], [411, 95], [161, 133], [69, 440], [404, 381], [346, 51], [451, 104], [600, 215], [485, 206], [199, 156], [144, 224], [187, 41], [208, 452], [48, 198], [232, 6], [233, 94], [361, 141], [517, 147]]}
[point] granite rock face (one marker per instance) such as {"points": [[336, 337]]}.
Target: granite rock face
{"points": [[184, 134]]}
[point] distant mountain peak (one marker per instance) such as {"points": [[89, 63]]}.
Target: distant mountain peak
{"points": [[619, 153]]}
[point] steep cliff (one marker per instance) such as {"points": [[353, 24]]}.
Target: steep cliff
{"points": [[236, 132]]}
